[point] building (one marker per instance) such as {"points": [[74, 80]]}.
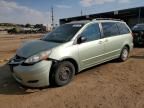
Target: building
{"points": [[131, 16]]}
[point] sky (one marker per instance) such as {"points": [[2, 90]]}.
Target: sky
{"points": [[39, 11]]}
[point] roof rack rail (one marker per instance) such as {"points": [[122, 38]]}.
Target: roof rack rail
{"points": [[106, 19]]}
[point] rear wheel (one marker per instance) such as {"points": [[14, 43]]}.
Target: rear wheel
{"points": [[63, 73], [124, 54]]}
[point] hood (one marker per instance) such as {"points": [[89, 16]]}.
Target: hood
{"points": [[34, 47]]}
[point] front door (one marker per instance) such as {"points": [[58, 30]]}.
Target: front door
{"points": [[91, 51]]}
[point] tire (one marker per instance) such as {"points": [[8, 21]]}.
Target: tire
{"points": [[124, 54], [63, 73]]}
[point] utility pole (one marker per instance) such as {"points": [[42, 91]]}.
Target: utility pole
{"points": [[52, 17], [81, 12], [139, 16]]}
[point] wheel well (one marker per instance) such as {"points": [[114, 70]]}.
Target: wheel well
{"points": [[73, 62], [127, 47]]}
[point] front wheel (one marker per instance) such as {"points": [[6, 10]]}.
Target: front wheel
{"points": [[124, 54], [63, 73]]}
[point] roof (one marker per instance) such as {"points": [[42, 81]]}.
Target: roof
{"points": [[95, 20], [82, 21]]}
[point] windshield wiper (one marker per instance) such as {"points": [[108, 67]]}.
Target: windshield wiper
{"points": [[57, 41]]}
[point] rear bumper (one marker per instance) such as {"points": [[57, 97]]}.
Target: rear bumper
{"points": [[36, 75], [131, 46], [138, 40]]}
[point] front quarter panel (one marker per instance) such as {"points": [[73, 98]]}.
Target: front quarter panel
{"points": [[65, 51]]}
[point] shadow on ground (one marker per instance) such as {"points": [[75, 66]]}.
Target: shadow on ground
{"points": [[8, 85], [137, 57]]}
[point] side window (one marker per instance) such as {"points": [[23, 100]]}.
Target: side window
{"points": [[92, 32], [123, 28], [110, 29]]}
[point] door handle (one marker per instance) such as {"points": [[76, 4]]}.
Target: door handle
{"points": [[100, 42], [106, 40]]}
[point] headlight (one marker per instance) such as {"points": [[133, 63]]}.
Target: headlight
{"points": [[38, 57]]}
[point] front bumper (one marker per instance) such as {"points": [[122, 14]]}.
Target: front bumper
{"points": [[36, 75]]}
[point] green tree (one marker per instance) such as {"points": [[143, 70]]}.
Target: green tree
{"points": [[28, 25]]}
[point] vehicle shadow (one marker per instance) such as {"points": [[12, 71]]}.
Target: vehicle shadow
{"points": [[97, 66], [139, 46], [137, 57], [8, 85]]}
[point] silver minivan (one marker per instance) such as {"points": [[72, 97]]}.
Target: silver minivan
{"points": [[69, 49]]}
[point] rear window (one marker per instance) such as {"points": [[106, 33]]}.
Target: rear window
{"points": [[123, 29], [110, 29]]}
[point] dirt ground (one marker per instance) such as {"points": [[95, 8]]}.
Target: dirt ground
{"points": [[9, 44], [110, 85]]}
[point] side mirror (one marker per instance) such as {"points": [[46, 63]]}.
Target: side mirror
{"points": [[81, 39]]}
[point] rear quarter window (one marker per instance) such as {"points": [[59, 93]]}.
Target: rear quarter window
{"points": [[123, 29]]}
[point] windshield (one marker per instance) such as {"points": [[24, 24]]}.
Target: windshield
{"points": [[63, 33], [138, 27]]}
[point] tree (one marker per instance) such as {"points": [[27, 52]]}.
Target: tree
{"points": [[38, 26], [28, 25]]}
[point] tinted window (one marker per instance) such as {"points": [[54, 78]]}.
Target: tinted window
{"points": [[110, 29], [138, 27], [123, 28], [63, 33], [92, 32]]}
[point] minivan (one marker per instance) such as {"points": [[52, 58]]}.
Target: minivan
{"points": [[59, 55]]}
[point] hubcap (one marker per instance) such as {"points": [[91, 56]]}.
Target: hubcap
{"points": [[64, 74], [125, 54]]}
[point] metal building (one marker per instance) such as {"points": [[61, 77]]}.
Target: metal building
{"points": [[132, 16]]}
